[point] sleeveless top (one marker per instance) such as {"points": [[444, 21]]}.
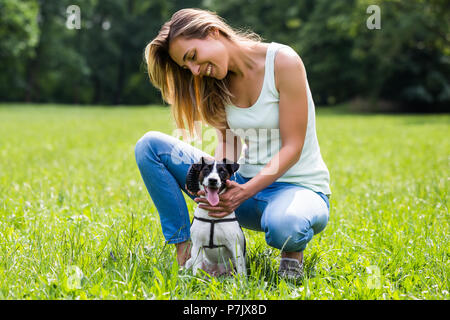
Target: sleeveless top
{"points": [[258, 127]]}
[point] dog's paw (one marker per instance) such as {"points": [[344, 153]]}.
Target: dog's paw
{"points": [[188, 263]]}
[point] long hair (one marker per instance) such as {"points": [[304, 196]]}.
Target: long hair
{"points": [[192, 98]]}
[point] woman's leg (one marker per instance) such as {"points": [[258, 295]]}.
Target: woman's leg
{"points": [[289, 215], [292, 216], [163, 162]]}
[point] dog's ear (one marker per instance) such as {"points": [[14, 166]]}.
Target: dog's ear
{"points": [[206, 160], [231, 166], [192, 184]]}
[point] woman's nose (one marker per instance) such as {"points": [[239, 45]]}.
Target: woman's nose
{"points": [[195, 69]]}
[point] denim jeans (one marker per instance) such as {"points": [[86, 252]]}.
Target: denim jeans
{"points": [[288, 214]]}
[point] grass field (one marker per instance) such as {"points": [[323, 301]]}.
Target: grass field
{"points": [[76, 221]]}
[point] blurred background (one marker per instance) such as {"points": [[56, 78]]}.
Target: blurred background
{"points": [[402, 67]]}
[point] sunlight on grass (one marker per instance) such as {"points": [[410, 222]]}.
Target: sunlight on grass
{"points": [[76, 221]]}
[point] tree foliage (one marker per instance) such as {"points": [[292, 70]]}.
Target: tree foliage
{"points": [[19, 36], [406, 61]]}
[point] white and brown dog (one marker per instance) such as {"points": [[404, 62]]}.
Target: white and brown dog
{"points": [[218, 244]]}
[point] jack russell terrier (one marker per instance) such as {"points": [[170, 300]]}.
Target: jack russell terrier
{"points": [[218, 244]]}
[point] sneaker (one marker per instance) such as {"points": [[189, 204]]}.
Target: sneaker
{"points": [[291, 269]]}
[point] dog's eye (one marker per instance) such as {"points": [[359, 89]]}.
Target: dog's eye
{"points": [[222, 173]]}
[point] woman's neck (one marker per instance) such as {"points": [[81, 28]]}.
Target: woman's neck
{"points": [[245, 59]]}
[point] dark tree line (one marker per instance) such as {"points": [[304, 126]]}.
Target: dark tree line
{"points": [[404, 65]]}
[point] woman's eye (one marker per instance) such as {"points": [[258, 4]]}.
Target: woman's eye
{"points": [[192, 58]]}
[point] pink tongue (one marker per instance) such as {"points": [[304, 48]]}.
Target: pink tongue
{"points": [[213, 196]]}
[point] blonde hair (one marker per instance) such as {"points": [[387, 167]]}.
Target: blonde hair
{"points": [[193, 98]]}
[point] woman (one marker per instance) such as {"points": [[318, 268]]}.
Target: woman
{"points": [[244, 88]]}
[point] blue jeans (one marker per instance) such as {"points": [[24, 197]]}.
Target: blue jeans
{"points": [[288, 214]]}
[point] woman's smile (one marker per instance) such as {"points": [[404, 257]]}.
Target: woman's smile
{"points": [[209, 70]]}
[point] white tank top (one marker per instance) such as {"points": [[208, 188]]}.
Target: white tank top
{"points": [[258, 127]]}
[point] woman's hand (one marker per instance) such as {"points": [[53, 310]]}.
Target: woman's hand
{"points": [[229, 201]]}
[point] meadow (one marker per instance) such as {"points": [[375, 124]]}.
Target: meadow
{"points": [[76, 221]]}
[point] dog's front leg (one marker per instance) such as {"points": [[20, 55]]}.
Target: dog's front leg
{"points": [[198, 262], [239, 259], [196, 259], [195, 252]]}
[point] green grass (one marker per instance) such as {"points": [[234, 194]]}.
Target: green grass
{"points": [[76, 221]]}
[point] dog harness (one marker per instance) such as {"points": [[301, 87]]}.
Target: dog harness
{"points": [[211, 244]]}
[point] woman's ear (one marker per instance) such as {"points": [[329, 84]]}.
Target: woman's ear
{"points": [[214, 32]]}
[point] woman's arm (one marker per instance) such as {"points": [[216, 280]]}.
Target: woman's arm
{"points": [[290, 78]]}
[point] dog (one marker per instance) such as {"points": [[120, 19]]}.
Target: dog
{"points": [[218, 244]]}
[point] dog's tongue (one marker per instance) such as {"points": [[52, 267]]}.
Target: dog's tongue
{"points": [[213, 196]]}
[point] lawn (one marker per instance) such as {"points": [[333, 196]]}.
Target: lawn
{"points": [[76, 221]]}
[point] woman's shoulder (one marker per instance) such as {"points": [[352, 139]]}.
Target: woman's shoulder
{"points": [[287, 63], [287, 57]]}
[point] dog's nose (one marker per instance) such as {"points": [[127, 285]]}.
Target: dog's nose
{"points": [[212, 181]]}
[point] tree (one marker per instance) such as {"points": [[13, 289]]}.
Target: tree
{"points": [[19, 34], [407, 61]]}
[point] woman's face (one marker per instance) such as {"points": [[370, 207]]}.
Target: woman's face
{"points": [[201, 55]]}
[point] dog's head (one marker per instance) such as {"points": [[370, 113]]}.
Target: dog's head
{"points": [[210, 175]]}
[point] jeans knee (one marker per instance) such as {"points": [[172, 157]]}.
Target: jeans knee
{"points": [[145, 145], [288, 233]]}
